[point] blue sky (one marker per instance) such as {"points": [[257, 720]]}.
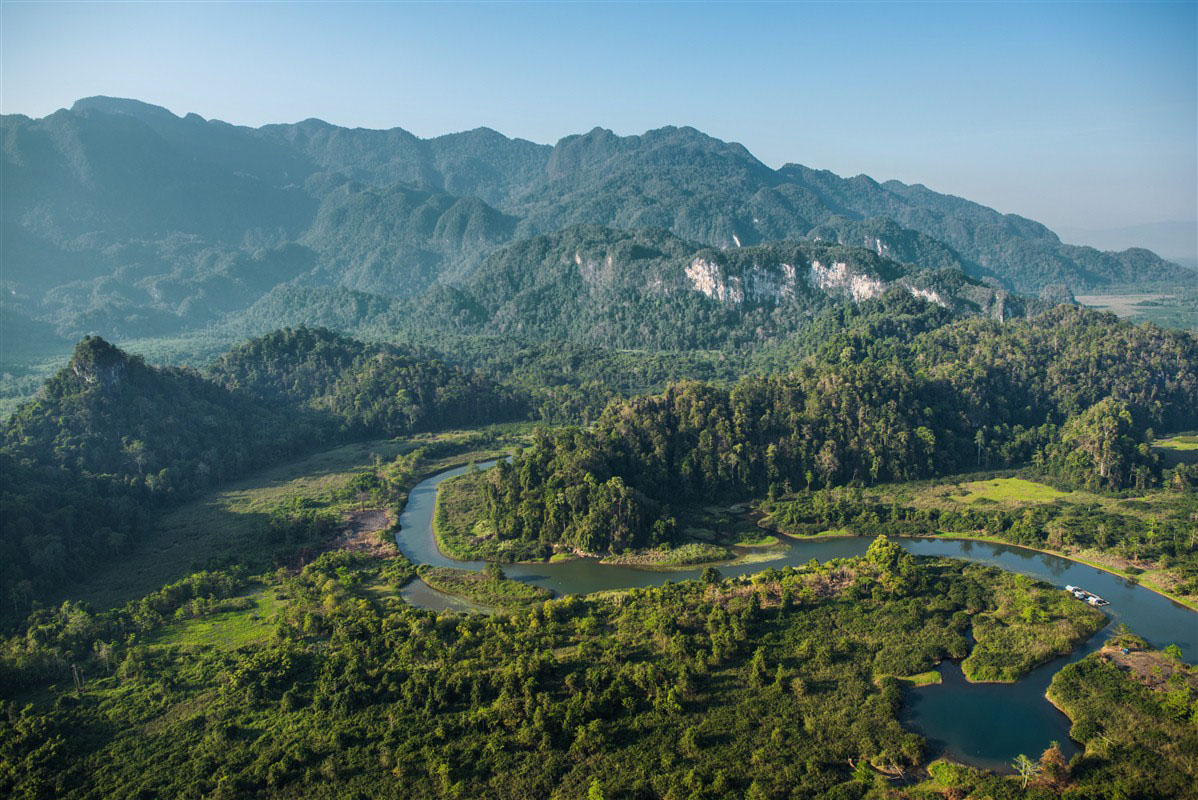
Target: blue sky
{"points": [[1082, 115]]}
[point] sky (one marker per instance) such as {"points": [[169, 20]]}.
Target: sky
{"points": [[1081, 115]]}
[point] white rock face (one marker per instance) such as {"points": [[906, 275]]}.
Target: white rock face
{"points": [[758, 283], [593, 271], [587, 267], [788, 280], [931, 296], [837, 278], [774, 282], [708, 277]]}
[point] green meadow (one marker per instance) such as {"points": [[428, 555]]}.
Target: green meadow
{"points": [[226, 630]]}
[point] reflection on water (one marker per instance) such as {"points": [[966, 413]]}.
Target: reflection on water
{"points": [[419, 593], [986, 725], [1156, 618]]}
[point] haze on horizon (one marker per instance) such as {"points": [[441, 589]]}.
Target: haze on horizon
{"points": [[1081, 115]]}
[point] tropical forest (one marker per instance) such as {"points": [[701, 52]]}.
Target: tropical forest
{"points": [[338, 461]]}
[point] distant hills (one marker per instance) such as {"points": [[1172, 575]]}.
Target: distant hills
{"points": [[123, 219], [1175, 240]]}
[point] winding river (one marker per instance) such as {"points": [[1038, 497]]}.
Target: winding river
{"points": [[985, 725]]}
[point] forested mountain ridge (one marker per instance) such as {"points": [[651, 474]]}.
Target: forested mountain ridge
{"points": [[719, 194], [110, 438], [649, 289], [123, 219]]}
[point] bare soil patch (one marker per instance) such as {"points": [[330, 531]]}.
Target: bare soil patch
{"points": [[361, 533], [1151, 668]]}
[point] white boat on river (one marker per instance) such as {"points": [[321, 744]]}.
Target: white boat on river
{"points": [[1089, 597]]}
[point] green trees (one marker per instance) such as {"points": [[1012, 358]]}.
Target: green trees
{"points": [[649, 693], [576, 508], [1101, 449], [1133, 743], [1053, 768], [886, 554], [111, 440], [859, 413], [362, 389]]}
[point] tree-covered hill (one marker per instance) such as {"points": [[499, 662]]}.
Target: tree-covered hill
{"points": [[366, 389], [1073, 390], [109, 439], [160, 429], [123, 219]]}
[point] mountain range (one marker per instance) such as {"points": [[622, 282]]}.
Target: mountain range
{"points": [[122, 219]]}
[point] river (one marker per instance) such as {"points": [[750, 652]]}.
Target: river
{"points": [[985, 725]]}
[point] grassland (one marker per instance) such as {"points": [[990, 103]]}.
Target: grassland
{"points": [[1169, 310], [1179, 449], [225, 630], [684, 555], [1184, 442], [1008, 490], [226, 527], [1122, 305], [929, 678]]}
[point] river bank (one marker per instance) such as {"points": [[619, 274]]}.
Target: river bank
{"points": [[1153, 614], [981, 724], [1139, 580]]}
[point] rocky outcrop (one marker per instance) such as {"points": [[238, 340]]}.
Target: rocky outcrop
{"points": [[837, 278]]}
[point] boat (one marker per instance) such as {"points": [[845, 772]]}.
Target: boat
{"points": [[1089, 597]]}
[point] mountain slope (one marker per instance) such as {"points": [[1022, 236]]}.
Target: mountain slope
{"points": [[125, 219], [647, 288], [717, 193], [367, 389], [111, 438]]}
